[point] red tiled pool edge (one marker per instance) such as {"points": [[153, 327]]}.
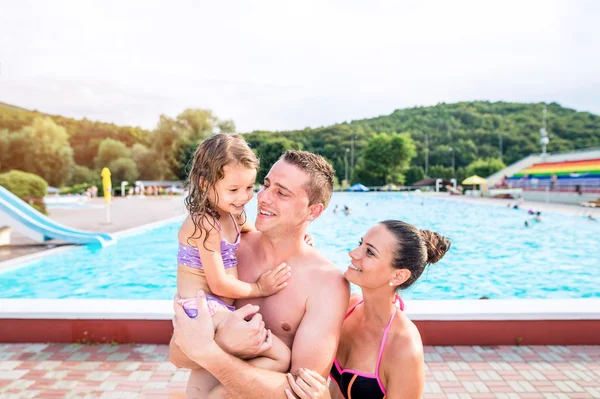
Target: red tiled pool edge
{"points": [[86, 331], [433, 332], [509, 332]]}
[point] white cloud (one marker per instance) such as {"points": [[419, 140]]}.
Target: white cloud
{"points": [[283, 65]]}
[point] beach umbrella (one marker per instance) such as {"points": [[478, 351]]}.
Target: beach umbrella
{"points": [[358, 187], [390, 187], [474, 181]]}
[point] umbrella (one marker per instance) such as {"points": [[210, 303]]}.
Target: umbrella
{"points": [[390, 187], [106, 185], [358, 187], [474, 181]]}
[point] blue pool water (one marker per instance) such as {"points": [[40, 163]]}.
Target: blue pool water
{"points": [[492, 254]]}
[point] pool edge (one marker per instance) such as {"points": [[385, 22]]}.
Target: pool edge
{"points": [[465, 322]]}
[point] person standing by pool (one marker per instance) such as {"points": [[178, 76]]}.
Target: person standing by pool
{"points": [[221, 183], [380, 353], [296, 191]]}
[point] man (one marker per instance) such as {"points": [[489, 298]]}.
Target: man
{"points": [[307, 315]]}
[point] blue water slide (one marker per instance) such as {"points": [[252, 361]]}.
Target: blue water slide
{"points": [[17, 214]]}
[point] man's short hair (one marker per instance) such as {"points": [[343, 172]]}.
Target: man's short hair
{"points": [[320, 174]]}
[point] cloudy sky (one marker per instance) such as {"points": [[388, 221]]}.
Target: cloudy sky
{"points": [[292, 64]]}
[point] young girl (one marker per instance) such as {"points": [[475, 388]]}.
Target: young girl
{"points": [[220, 184]]}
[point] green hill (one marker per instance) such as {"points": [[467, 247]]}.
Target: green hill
{"points": [[84, 135], [473, 129]]}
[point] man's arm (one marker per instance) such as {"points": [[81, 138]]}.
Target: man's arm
{"points": [[317, 337], [314, 346]]}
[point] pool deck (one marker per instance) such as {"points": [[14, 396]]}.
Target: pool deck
{"points": [[143, 371], [126, 213], [543, 207]]}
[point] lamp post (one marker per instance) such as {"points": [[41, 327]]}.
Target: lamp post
{"points": [[453, 169], [544, 137], [346, 164], [352, 157], [500, 144]]}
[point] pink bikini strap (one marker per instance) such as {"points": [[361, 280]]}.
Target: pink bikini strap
{"points": [[237, 228], [352, 308], [400, 305]]}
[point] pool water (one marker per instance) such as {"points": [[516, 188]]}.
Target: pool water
{"points": [[493, 254]]}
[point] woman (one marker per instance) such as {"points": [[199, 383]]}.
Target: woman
{"points": [[380, 354]]}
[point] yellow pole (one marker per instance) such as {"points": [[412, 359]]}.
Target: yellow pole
{"points": [[107, 187]]}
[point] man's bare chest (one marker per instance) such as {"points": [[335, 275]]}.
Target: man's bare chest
{"points": [[282, 312]]}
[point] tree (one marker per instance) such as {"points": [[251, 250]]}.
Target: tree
{"points": [[110, 150], [269, 152], [413, 175], [441, 172], [82, 174], [123, 169], [42, 149], [172, 137], [485, 167], [385, 158], [145, 160]]}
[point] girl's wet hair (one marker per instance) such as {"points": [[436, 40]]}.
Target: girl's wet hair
{"points": [[210, 159], [415, 248]]}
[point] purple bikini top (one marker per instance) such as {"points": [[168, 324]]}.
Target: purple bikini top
{"points": [[189, 255]]}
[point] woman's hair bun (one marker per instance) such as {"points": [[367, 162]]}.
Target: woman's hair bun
{"points": [[436, 244]]}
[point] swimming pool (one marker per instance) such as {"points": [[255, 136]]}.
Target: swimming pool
{"points": [[492, 254]]}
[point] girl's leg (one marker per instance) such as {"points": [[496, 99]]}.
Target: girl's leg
{"points": [[277, 358], [200, 384]]}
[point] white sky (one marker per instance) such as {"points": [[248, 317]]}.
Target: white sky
{"points": [[290, 64]]}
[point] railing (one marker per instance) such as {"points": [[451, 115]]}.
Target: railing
{"points": [[591, 186]]}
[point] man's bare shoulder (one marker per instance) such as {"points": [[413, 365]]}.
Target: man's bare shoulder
{"points": [[249, 240], [325, 272]]}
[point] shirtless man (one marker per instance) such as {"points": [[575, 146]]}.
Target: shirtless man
{"points": [[307, 315]]}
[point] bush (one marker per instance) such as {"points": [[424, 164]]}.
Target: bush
{"points": [[27, 186], [82, 174], [75, 189], [485, 167]]}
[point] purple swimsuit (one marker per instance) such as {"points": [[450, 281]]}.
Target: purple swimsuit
{"points": [[188, 255]]}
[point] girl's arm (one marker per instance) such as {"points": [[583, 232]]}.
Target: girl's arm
{"points": [[225, 285]]}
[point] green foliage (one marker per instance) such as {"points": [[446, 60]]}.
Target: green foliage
{"points": [[145, 160], [441, 172], [472, 129], [269, 152], [413, 175], [384, 159], [27, 186], [42, 149], [76, 188], [83, 174], [123, 169], [484, 167], [172, 138], [110, 150]]}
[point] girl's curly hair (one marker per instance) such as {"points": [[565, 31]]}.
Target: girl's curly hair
{"points": [[212, 155]]}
